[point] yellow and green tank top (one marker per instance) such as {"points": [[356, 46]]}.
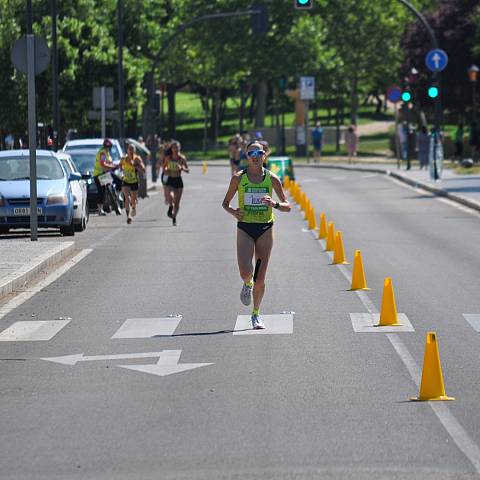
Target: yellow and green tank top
{"points": [[250, 196], [129, 171], [98, 170], [173, 165]]}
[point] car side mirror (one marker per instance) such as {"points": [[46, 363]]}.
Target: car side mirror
{"points": [[74, 176]]}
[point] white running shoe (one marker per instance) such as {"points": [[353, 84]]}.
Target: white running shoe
{"points": [[257, 323], [246, 294]]}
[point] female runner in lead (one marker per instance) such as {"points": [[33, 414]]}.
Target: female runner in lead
{"points": [[255, 219]]}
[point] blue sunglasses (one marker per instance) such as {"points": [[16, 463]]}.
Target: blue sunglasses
{"points": [[256, 153]]}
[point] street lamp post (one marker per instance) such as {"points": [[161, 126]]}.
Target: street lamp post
{"points": [[473, 76]]}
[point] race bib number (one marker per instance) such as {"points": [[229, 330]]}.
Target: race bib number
{"points": [[253, 199]]}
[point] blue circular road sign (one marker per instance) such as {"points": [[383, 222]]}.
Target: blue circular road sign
{"points": [[436, 60], [394, 94]]}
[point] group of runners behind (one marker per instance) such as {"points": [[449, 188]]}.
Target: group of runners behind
{"points": [[251, 182]]}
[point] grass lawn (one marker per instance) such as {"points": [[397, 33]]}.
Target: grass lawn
{"points": [[190, 123]]}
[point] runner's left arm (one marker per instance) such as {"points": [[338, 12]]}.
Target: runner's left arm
{"points": [[184, 164], [283, 204]]}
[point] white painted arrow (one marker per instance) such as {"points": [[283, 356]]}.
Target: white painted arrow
{"points": [[436, 60], [74, 359], [167, 365]]}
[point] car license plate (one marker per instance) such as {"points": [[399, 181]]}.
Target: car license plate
{"points": [[26, 211]]}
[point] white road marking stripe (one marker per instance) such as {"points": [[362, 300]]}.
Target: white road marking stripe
{"points": [[27, 294], [370, 175], [338, 178], [274, 324], [367, 323], [473, 319], [459, 206], [80, 357], [148, 327], [32, 331], [167, 365], [458, 434]]}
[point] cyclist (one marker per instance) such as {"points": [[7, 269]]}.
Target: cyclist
{"points": [[130, 165], [103, 163], [255, 219], [174, 164]]}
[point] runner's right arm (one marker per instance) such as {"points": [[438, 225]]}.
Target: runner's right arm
{"points": [[232, 190]]}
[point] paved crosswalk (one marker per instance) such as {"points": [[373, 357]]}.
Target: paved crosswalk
{"points": [[30, 331], [24, 331], [276, 324]]}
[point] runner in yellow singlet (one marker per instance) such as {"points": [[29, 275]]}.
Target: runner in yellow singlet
{"points": [[130, 164], [255, 219]]}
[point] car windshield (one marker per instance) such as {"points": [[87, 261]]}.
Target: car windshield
{"points": [[66, 166], [18, 168], [85, 162], [91, 146]]}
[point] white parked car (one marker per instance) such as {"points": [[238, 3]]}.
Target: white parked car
{"points": [[95, 143], [79, 190]]}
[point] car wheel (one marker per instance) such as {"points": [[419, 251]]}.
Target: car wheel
{"points": [[68, 230]]}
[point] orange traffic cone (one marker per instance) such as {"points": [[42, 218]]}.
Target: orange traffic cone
{"points": [[330, 237], [322, 233], [312, 225], [388, 314], [339, 251], [431, 386], [358, 274]]}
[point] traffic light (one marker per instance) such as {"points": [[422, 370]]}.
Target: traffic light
{"points": [[303, 4], [259, 21], [433, 91], [406, 96]]}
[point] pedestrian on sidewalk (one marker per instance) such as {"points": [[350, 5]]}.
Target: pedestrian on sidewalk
{"points": [[317, 139], [351, 142], [423, 146], [174, 164], [255, 220], [131, 164]]}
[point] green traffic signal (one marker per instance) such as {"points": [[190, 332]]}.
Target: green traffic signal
{"points": [[433, 92], [406, 96], [303, 4]]}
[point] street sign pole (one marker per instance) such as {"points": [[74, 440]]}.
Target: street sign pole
{"points": [[103, 109], [32, 124]]}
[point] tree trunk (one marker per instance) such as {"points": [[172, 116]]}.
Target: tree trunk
{"points": [[172, 114], [242, 106], [354, 100], [261, 94], [205, 123]]}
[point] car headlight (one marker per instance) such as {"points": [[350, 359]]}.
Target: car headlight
{"points": [[56, 199], [89, 181]]}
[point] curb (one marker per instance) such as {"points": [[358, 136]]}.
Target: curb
{"points": [[32, 269], [439, 192]]}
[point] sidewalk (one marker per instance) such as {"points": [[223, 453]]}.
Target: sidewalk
{"points": [[464, 189], [23, 260]]}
